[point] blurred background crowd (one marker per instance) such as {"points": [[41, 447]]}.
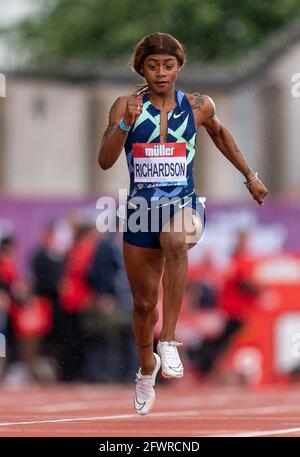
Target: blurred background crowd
{"points": [[67, 315], [65, 303], [71, 320]]}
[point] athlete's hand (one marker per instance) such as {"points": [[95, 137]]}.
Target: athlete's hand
{"points": [[133, 109], [258, 191]]}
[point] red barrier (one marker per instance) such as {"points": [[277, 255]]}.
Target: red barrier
{"points": [[267, 347]]}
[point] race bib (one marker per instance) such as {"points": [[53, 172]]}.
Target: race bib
{"points": [[160, 164]]}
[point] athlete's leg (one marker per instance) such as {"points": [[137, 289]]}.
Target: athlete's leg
{"points": [[175, 246], [144, 268]]}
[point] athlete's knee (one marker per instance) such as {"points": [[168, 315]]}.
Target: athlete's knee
{"points": [[144, 305], [175, 248]]}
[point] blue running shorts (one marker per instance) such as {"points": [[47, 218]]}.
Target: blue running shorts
{"points": [[142, 225]]}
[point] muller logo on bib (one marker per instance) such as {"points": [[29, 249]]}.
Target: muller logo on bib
{"points": [[159, 150], [160, 164]]}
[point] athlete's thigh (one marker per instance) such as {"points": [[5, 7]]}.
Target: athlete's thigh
{"points": [[185, 225], [144, 267]]}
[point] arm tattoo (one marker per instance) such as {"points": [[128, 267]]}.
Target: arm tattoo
{"points": [[110, 130], [198, 101], [112, 127], [113, 108]]}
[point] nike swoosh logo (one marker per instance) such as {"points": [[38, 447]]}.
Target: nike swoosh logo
{"points": [[176, 369], [181, 205], [139, 403], [177, 115]]}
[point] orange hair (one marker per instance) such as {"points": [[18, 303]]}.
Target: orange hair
{"points": [[157, 43]]}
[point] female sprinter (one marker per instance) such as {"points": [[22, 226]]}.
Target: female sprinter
{"points": [[157, 126]]}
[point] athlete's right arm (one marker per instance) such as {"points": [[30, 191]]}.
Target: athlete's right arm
{"points": [[113, 139]]}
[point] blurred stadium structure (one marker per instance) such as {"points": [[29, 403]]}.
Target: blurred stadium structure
{"points": [[55, 120], [50, 127]]}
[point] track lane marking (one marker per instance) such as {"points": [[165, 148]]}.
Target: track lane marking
{"points": [[255, 433], [99, 418]]}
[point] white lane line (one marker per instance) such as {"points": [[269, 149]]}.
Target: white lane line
{"points": [[261, 433], [74, 406], [254, 410], [98, 403], [100, 418], [176, 414], [74, 419], [201, 409]]}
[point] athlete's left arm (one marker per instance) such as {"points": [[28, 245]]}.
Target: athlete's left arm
{"points": [[226, 143]]}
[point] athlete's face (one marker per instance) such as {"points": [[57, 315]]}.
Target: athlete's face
{"points": [[160, 72]]}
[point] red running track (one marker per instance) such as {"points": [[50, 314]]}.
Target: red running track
{"points": [[181, 409]]}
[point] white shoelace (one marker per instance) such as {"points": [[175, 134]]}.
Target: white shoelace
{"points": [[144, 385], [169, 349]]}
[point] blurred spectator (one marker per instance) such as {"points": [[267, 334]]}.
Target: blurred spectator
{"points": [[240, 291], [105, 267], [10, 284], [238, 295], [105, 326], [47, 266], [4, 313], [75, 296], [206, 280], [110, 349], [9, 275], [107, 273], [31, 318], [4, 310]]}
